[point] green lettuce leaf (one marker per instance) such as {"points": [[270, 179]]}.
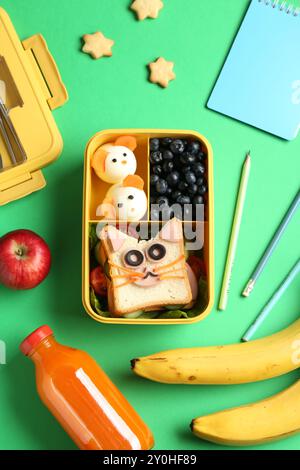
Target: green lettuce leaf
{"points": [[202, 300], [93, 236], [149, 315], [96, 305], [173, 314]]}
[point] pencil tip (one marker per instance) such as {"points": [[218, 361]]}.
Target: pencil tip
{"points": [[248, 156]]}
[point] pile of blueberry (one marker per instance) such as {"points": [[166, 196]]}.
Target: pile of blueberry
{"points": [[178, 168]]}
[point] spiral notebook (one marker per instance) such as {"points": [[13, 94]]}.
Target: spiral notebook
{"points": [[260, 81]]}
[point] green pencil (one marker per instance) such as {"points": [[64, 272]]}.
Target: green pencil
{"points": [[235, 232]]}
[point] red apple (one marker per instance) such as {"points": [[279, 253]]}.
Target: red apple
{"points": [[25, 259]]}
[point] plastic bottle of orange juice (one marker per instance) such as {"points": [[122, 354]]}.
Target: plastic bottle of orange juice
{"points": [[82, 398]]}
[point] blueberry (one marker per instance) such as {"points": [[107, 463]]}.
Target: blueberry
{"points": [[161, 186], [198, 215], [198, 200], [168, 155], [194, 147], [169, 191], [173, 178], [153, 179], [168, 167], [176, 194], [192, 189], [199, 169], [187, 158], [166, 141], [182, 186], [202, 189], [188, 212], [155, 213], [156, 157], [171, 214], [190, 177], [154, 144], [177, 146], [183, 200], [157, 170], [177, 211], [162, 201], [201, 156], [186, 168], [200, 181], [166, 213], [177, 163]]}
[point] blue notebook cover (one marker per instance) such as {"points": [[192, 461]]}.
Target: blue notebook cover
{"points": [[260, 81]]}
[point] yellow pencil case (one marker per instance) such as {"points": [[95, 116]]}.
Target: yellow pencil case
{"points": [[33, 89], [94, 192]]}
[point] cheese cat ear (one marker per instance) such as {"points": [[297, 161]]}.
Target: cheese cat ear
{"points": [[98, 161], [115, 237], [133, 181], [171, 231], [127, 141], [99, 158]]}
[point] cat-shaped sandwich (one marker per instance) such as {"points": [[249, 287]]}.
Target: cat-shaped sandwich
{"points": [[146, 275]]}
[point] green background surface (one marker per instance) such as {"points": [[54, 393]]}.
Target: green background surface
{"points": [[115, 93]]}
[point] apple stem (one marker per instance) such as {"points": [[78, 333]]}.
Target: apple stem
{"points": [[20, 252]]}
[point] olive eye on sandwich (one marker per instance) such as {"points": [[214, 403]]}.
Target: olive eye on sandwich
{"points": [[156, 252], [134, 258]]}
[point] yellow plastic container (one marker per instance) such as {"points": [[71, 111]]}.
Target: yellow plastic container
{"points": [[94, 192], [33, 89]]}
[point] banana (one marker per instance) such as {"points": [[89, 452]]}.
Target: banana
{"points": [[268, 420], [233, 364]]}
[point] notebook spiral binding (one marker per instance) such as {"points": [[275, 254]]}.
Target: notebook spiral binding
{"points": [[283, 5]]}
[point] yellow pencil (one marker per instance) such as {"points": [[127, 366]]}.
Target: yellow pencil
{"points": [[235, 232]]}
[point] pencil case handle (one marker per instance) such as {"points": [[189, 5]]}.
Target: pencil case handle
{"points": [[48, 68]]}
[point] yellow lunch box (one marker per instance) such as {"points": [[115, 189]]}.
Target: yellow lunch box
{"points": [[32, 89], [94, 192]]}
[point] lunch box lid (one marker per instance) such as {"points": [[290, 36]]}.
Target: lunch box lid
{"points": [[36, 89]]}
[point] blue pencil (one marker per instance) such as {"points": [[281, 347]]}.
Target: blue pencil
{"points": [[272, 245], [272, 302]]}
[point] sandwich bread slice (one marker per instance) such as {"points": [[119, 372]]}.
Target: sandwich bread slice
{"points": [[146, 275]]}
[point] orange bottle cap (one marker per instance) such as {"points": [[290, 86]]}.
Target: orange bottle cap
{"points": [[34, 339]]}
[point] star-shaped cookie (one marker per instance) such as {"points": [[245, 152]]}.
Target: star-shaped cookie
{"points": [[161, 72], [147, 8], [97, 45]]}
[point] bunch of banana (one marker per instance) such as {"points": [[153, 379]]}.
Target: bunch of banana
{"points": [[265, 421], [271, 419], [233, 364]]}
